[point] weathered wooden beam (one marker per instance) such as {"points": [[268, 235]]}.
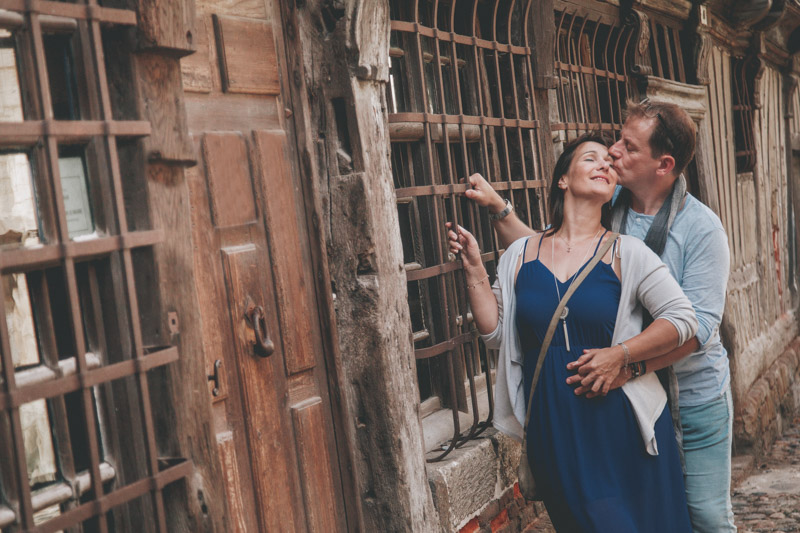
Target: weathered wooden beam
{"points": [[160, 101], [337, 80], [163, 25], [542, 38]]}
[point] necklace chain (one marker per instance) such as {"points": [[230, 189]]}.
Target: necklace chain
{"points": [[569, 280], [568, 243]]}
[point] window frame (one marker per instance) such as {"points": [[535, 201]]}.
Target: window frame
{"points": [[98, 274]]}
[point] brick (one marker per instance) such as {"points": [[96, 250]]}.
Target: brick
{"points": [[500, 521], [472, 527]]}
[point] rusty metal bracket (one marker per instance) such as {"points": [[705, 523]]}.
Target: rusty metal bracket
{"points": [[215, 377]]}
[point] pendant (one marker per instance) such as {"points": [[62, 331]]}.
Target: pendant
{"points": [[563, 318]]}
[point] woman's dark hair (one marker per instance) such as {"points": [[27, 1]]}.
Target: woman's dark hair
{"points": [[556, 197]]}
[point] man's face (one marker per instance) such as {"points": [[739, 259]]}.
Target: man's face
{"points": [[633, 159]]}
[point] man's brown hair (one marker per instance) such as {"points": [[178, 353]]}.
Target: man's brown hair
{"points": [[674, 132]]}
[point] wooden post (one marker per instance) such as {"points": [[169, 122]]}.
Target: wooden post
{"points": [[338, 70]]}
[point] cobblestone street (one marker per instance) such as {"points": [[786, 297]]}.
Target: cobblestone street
{"points": [[768, 499]]}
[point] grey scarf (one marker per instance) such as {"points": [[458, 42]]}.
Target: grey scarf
{"points": [[656, 240]]}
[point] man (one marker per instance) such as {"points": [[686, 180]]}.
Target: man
{"points": [[655, 146]]}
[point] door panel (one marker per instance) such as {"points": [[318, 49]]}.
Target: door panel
{"points": [[237, 522], [229, 183], [245, 281], [273, 413], [287, 259], [315, 465], [218, 342]]}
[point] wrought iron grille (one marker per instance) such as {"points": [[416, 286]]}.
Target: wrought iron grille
{"points": [[743, 76], [461, 100], [591, 57], [77, 435], [666, 55]]}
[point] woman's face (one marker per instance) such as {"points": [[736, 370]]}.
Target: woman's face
{"points": [[590, 174]]}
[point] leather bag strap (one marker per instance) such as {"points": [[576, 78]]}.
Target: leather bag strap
{"points": [[554, 322]]}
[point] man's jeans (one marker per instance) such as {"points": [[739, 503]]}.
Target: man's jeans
{"points": [[707, 438]]}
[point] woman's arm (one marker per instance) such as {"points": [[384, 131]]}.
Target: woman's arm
{"points": [[482, 300]]}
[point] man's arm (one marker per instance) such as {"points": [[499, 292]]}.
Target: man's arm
{"points": [[509, 228], [663, 361], [704, 282], [656, 363]]}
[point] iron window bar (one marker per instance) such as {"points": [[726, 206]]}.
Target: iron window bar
{"points": [[742, 80], [58, 493], [591, 62], [462, 100], [82, 373], [666, 54]]}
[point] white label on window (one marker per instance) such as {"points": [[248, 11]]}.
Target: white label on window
{"points": [[76, 196]]}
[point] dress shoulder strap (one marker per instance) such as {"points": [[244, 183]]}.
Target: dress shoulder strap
{"points": [[603, 236], [539, 250]]}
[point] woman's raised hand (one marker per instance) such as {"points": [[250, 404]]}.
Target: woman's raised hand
{"points": [[483, 194], [481, 299], [464, 243]]}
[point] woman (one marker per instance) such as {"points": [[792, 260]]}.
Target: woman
{"points": [[609, 463]]}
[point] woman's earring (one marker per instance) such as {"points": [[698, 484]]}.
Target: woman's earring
{"points": [[562, 185]]}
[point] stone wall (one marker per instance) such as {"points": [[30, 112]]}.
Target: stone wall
{"points": [[772, 402], [475, 488]]}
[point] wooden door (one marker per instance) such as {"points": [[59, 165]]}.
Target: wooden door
{"points": [[262, 335]]}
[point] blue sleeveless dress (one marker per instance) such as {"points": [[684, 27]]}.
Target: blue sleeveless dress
{"points": [[588, 456]]}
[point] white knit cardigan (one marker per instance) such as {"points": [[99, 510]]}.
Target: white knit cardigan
{"points": [[646, 284]]}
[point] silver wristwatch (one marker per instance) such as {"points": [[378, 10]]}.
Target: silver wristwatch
{"points": [[502, 214]]}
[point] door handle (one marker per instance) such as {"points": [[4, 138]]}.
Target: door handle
{"points": [[264, 346]]}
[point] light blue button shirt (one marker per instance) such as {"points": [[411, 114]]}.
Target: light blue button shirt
{"points": [[697, 255]]}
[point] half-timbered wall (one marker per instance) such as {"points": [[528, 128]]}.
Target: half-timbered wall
{"points": [[752, 208]]}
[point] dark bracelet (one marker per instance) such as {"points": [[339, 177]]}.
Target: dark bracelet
{"points": [[638, 368]]}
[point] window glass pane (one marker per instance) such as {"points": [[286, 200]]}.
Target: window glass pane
{"points": [[18, 221], [10, 97], [76, 195], [61, 74], [19, 319], [39, 452]]}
